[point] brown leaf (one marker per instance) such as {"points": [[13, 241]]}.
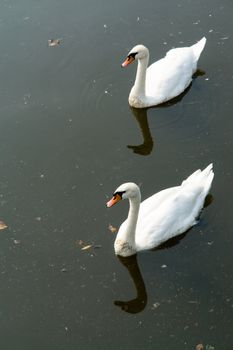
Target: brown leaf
{"points": [[199, 347], [54, 42], [112, 229], [2, 225]]}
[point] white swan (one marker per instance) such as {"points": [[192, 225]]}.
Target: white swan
{"points": [[164, 79], [162, 216]]}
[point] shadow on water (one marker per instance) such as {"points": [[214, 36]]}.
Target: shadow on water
{"points": [[139, 303], [140, 114], [146, 147]]}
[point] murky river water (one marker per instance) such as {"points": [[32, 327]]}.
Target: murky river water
{"points": [[69, 138]]}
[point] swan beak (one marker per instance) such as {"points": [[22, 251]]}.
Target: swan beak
{"points": [[116, 198], [128, 60]]}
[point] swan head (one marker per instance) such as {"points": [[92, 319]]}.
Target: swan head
{"points": [[138, 52], [128, 190]]}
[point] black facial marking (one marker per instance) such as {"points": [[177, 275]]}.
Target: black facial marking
{"points": [[120, 193], [132, 54]]}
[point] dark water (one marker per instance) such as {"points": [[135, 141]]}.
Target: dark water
{"points": [[69, 138]]}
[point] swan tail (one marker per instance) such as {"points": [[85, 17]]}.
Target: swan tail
{"points": [[204, 177], [191, 178], [198, 47], [208, 176]]}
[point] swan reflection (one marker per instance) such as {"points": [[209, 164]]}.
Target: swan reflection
{"points": [[139, 303], [140, 115], [147, 145]]}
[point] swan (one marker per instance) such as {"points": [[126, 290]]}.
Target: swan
{"points": [[164, 79], [162, 216]]}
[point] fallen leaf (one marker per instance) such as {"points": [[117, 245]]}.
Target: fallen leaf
{"points": [[2, 225], [86, 247], [112, 229], [54, 42], [199, 347]]}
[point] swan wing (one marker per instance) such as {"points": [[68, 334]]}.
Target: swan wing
{"points": [[175, 214], [172, 211], [170, 76], [149, 206]]}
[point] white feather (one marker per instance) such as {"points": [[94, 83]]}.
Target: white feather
{"points": [[166, 78], [162, 216]]}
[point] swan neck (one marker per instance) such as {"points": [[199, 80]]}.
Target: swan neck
{"points": [[125, 244], [140, 81], [134, 204]]}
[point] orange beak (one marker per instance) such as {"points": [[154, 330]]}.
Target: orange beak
{"points": [[128, 60], [113, 201]]}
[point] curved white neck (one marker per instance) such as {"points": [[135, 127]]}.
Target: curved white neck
{"points": [[140, 81], [131, 222]]}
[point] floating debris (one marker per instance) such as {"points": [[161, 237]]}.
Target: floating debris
{"points": [[64, 269], [209, 347], [163, 266], [86, 247], [2, 225], [155, 305], [54, 42], [79, 242], [112, 228], [16, 241]]}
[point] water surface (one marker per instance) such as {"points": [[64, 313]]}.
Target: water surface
{"points": [[69, 138]]}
